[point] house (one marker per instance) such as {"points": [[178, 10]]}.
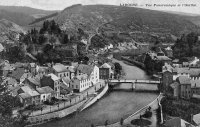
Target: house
{"points": [[33, 82], [46, 93], [177, 122], [84, 69], [17, 73], [61, 71], [185, 71], [25, 76], [65, 90], [28, 96], [185, 90], [41, 70], [80, 83], [52, 81], [195, 84], [104, 72], [94, 75]]}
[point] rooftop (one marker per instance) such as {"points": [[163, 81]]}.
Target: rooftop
{"points": [[60, 68], [30, 91], [163, 58], [86, 69], [54, 77], [45, 90], [184, 80], [66, 80]]}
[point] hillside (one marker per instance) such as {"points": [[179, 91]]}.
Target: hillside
{"points": [[18, 18], [119, 18], [9, 31], [37, 13]]}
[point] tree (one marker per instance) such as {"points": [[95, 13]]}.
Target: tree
{"points": [[191, 40], [52, 40]]}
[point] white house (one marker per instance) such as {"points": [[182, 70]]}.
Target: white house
{"points": [[80, 83], [45, 93], [95, 75]]}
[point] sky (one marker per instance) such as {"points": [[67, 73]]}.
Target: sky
{"points": [[175, 5]]}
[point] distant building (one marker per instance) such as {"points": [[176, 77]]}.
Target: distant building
{"points": [[104, 73], [185, 87]]}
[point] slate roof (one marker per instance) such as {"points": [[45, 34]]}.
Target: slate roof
{"points": [[30, 91], [60, 68], [82, 77], [86, 69], [163, 58], [54, 77], [45, 90], [66, 80], [17, 73], [24, 95], [184, 80], [191, 71], [105, 65], [35, 80]]}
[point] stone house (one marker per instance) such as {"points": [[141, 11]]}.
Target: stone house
{"points": [[46, 93], [52, 81], [28, 96], [61, 71], [185, 90]]}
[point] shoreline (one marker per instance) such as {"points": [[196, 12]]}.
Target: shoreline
{"points": [[41, 119], [117, 124]]}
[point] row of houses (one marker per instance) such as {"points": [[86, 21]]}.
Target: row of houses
{"points": [[35, 84], [184, 82]]}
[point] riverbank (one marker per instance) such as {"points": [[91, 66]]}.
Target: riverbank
{"points": [[112, 106], [39, 119], [127, 121]]}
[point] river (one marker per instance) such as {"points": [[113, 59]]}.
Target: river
{"points": [[112, 107]]}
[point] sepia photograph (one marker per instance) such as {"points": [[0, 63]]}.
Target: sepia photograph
{"points": [[99, 63]]}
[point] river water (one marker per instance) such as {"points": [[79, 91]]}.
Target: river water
{"points": [[112, 107]]}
